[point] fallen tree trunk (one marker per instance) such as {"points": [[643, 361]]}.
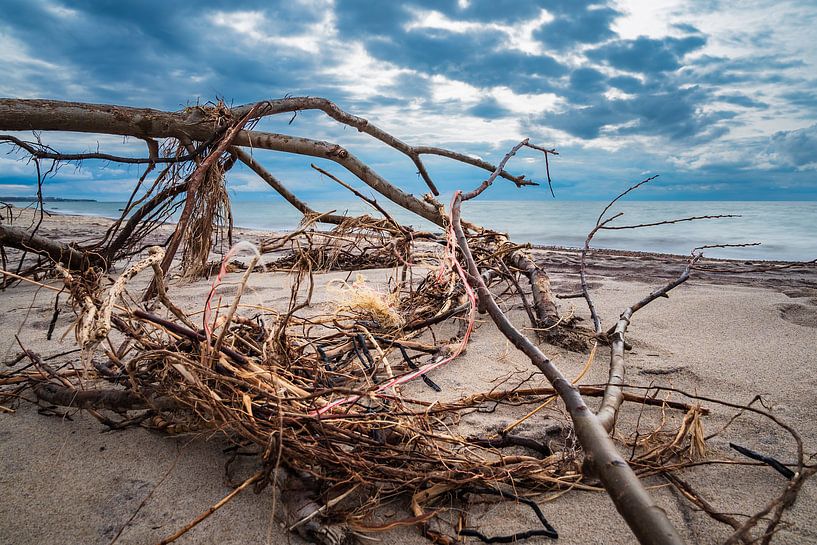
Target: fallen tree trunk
{"points": [[59, 252], [190, 124], [202, 124]]}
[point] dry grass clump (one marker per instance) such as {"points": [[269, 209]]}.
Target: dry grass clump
{"points": [[366, 302]]}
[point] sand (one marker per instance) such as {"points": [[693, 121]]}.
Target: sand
{"points": [[66, 480]]}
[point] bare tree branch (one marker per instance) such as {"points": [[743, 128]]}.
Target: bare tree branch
{"points": [[648, 521]]}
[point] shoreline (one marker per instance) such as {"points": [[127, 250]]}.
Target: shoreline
{"points": [[612, 252], [68, 480]]}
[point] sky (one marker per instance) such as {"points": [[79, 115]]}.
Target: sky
{"points": [[717, 97]]}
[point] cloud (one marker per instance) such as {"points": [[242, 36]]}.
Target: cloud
{"points": [[16, 190], [488, 108], [506, 11], [586, 81], [577, 23], [797, 148], [647, 55], [716, 88], [628, 84], [674, 114], [482, 59], [742, 100]]}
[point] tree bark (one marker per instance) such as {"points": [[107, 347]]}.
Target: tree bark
{"points": [[112, 400], [194, 124], [190, 124], [58, 252], [543, 301]]}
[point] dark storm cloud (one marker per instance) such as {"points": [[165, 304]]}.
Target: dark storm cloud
{"points": [[575, 23], [670, 92], [478, 58], [742, 100], [647, 55], [587, 81], [675, 114], [127, 51], [489, 109], [666, 100], [364, 17], [506, 11], [796, 148]]}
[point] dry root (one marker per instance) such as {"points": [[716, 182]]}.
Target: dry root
{"points": [[317, 397]]}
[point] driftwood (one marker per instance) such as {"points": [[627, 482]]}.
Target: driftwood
{"points": [[210, 126], [648, 521], [319, 395], [58, 252]]}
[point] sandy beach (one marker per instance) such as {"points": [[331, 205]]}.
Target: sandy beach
{"points": [[725, 335]]}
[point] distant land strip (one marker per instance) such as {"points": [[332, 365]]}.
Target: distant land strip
{"points": [[45, 199]]}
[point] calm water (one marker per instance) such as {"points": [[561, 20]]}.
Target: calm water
{"points": [[786, 229]]}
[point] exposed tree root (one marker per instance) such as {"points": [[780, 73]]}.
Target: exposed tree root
{"points": [[319, 393]]}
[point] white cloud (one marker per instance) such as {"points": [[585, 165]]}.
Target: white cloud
{"points": [[525, 103], [652, 18], [444, 89], [359, 74], [15, 166], [246, 181], [257, 29], [437, 21], [60, 11], [13, 190], [518, 36]]}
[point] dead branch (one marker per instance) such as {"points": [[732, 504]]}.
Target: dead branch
{"points": [[196, 124], [58, 252], [117, 248], [648, 521], [613, 395], [295, 104], [282, 190], [319, 392], [111, 400], [212, 509], [40, 151]]}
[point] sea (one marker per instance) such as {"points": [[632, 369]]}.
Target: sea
{"points": [[786, 231]]}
